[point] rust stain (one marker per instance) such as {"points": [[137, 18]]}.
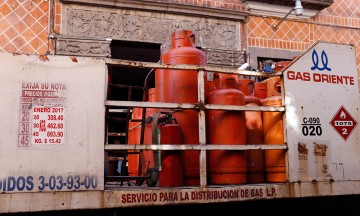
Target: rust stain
{"points": [[324, 168], [320, 149], [303, 151], [73, 59], [43, 57]]}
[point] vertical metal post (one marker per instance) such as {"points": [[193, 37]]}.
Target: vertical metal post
{"points": [[202, 128], [128, 114]]}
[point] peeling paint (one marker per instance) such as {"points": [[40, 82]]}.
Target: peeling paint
{"points": [[44, 57], [73, 59]]}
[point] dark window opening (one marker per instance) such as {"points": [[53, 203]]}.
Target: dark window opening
{"points": [[265, 64], [125, 84], [261, 61], [131, 76]]}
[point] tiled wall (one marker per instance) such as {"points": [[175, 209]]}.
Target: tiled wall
{"points": [[339, 23], [289, 35], [24, 26]]}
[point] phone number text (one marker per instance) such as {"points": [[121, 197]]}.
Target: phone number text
{"points": [[48, 183]]}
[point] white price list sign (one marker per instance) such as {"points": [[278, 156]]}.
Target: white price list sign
{"points": [[42, 119], [48, 125]]}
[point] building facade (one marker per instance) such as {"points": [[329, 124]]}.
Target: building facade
{"points": [[231, 32]]}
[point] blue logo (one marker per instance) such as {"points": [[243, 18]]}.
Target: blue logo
{"points": [[324, 61]]}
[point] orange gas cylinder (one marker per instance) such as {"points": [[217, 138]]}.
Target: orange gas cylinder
{"points": [[274, 134], [171, 173], [210, 86], [181, 86], [279, 66], [260, 90], [227, 127], [148, 154], [159, 73], [158, 97], [273, 86], [247, 87], [254, 133], [134, 133]]}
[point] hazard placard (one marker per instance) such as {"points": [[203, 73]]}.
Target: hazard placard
{"points": [[343, 123]]}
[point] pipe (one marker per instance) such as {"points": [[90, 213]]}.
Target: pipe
{"points": [[51, 24], [48, 28], [145, 98], [298, 12]]}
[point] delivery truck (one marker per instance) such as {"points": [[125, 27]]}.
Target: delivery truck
{"points": [[78, 134]]}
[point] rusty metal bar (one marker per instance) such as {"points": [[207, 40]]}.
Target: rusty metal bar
{"points": [[125, 86], [193, 106], [189, 67], [116, 134], [202, 129], [196, 147]]}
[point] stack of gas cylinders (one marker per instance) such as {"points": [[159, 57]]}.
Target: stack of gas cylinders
{"points": [[223, 127]]}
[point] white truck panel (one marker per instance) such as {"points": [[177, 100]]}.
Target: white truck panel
{"points": [[322, 110], [52, 123]]}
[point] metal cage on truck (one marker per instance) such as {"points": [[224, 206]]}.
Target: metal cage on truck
{"points": [[62, 100]]}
